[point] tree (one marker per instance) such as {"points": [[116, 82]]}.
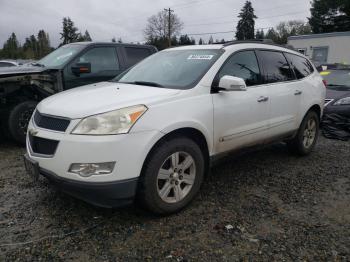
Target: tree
{"points": [[260, 34], [43, 45], [246, 24], [69, 31], [272, 35], [200, 42], [157, 28], [291, 28], [113, 40], [11, 48], [211, 40], [330, 16], [185, 40]]}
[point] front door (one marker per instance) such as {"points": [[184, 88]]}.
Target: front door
{"points": [[240, 117], [104, 66]]}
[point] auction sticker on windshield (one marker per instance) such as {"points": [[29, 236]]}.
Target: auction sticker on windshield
{"points": [[200, 57]]}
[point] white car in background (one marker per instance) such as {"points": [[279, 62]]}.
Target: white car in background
{"points": [[151, 133]]}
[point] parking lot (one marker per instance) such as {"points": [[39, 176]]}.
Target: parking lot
{"points": [[265, 205]]}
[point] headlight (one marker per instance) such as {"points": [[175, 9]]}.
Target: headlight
{"points": [[343, 101], [110, 123]]}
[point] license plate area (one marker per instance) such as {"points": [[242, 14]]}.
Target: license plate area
{"points": [[32, 168]]}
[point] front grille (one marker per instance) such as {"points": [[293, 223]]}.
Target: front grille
{"points": [[50, 122], [43, 146]]}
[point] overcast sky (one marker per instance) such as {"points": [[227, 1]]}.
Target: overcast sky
{"points": [[105, 19]]}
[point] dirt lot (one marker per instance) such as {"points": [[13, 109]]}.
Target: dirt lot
{"points": [[262, 206]]}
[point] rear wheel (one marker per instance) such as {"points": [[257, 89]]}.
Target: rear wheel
{"points": [[18, 120], [172, 176], [305, 140]]}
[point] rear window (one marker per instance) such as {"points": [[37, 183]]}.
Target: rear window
{"points": [[301, 66], [136, 54], [276, 67]]}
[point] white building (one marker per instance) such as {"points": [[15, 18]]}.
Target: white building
{"points": [[324, 48]]}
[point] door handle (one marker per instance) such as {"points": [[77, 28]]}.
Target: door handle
{"points": [[297, 92], [263, 99]]}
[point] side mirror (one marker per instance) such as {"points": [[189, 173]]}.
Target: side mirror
{"points": [[81, 68], [232, 83]]}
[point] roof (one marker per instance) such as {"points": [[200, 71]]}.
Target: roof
{"points": [[108, 43], [236, 45], [334, 34]]}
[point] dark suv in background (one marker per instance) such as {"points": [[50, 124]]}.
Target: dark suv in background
{"points": [[69, 66]]}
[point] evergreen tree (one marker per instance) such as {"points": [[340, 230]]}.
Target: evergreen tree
{"points": [[69, 31], [272, 35], [11, 48], [185, 40], [211, 40], [200, 42], [120, 40], [43, 44], [260, 34], [330, 16], [113, 40], [246, 24]]}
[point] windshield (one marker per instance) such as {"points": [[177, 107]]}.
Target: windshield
{"points": [[178, 69], [60, 55], [337, 78]]}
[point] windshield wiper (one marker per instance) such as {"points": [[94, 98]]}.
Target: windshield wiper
{"points": [[144, 83], [37, 64]]}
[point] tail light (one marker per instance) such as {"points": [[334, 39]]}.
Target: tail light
{"points": [[325, 83]]}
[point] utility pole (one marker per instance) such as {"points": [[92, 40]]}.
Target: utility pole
{"points": [[169, 25]]}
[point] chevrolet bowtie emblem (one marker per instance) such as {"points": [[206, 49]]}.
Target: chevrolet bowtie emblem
{"points": [[33, 132]]}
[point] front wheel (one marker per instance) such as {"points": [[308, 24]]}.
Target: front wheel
{"points": [[305, 140], [18, 120], [172, 176]]}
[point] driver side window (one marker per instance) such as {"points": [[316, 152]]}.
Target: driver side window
{"points": [[102, 59], [244, 65]]}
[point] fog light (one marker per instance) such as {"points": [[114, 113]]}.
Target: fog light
{"points": [[91, 169]]}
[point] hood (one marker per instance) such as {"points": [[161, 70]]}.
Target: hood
{"points": [[337, 93], [17, 70], [101, 97]]}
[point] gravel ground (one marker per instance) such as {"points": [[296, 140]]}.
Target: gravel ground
{"points": [[263, 206]]}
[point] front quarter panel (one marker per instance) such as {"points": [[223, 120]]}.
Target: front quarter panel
{"points": [[185, 111]]}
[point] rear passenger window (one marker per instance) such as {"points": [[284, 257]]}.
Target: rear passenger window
{"points": [[244, 65], [276, 67], [136, 54], [301, 66]]}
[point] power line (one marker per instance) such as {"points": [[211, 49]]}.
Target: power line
{"points": [[234, 21]]}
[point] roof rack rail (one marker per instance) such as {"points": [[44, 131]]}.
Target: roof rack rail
{"points": [[256, 41]]}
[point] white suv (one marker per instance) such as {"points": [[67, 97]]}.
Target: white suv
{"points": [[152, 132]]}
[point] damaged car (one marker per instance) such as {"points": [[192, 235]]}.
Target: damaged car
{"points": [[71, 65], [336, 120]]}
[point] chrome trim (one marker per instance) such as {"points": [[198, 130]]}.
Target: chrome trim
{"points": [[327, 102]]}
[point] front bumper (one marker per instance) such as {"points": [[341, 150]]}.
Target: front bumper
{"points": [[102, 194], [343, 110]]}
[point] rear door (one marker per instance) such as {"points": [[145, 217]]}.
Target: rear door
{"points": [[240, 117], [283, 92], [105, 65], [135, 54]]}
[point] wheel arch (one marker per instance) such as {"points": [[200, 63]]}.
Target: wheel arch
{"points": [[190, 132]]}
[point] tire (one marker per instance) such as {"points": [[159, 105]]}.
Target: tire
{"points": [[170, 191], [18, 120], [306, 138]]}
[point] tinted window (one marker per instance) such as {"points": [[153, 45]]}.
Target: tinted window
{"points": [[276, 67], [4, 64], [135, 55], [301, 66], [244, 65], [101, 59]]}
